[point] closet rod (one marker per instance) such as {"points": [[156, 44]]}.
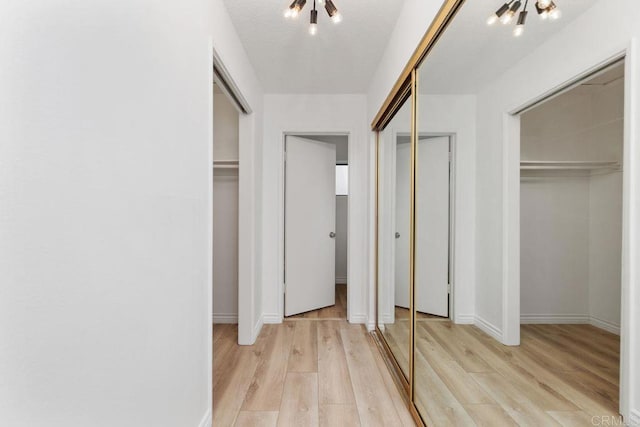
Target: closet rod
{"points": [[567, 165], [226, 164]]}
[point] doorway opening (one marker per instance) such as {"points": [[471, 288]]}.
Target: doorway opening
{"points": [[225, 208], [571, 228], [316, 212]]}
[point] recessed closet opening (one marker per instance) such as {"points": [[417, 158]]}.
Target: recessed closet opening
{"points": [[571, 201], [316, 226], [225, 208]]}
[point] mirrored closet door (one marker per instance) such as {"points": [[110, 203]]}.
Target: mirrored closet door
{"points": [[394, 234]]}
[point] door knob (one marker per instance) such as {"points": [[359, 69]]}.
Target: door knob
{"points": [[397, 235], [332, 234]]}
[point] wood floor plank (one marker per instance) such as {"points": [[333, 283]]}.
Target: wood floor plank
{"points": [[573, 418], [398, 401], [336, 311], [223, 349], [304, 350], [299, 400], [374, 404], [460, 349], [257, 419], [265, 392], [514, 400], [339, 416], [501, 358], [434, 398], [334, 381], [457, 380], [486, 415], [232, 386]]}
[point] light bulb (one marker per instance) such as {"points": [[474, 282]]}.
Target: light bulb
{"points": [[336, 18], [287, 13], [543, 4], [492, 19], [507, 17], [294, 12], [321, 2], [313, 29], [555, 14], [544, 14], [518, 30]]}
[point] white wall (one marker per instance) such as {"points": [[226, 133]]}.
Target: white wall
{"points": [[231, 53], [225, 212], [554, 249], [105, 183], [601, 33], [342, 228], [605, 249], [317, 114], [225, 128]]}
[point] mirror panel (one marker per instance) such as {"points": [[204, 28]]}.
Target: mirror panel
{"points": [[394, 187]]}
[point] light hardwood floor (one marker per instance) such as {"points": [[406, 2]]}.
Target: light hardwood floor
{"points": [[337, 311], [304, 372], [559, 375]]}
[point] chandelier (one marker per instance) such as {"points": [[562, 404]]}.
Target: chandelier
{"points": [[547, 9], [296, 7]]}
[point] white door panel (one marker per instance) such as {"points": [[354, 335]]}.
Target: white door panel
{"points": [[432, 227], [310, 215]]}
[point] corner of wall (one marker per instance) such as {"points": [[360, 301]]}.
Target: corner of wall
{"points": [[206, 419], [488, 328]]}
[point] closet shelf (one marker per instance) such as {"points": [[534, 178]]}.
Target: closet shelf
{"points": [[578, 165], [226, 164]]}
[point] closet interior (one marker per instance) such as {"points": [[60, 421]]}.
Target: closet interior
{"points": [[571, 205], [225, 208]]}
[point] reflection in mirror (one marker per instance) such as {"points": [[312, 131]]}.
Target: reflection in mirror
{"points": [[394, 166], [470, 81]]}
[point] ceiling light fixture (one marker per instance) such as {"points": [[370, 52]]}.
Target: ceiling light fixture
{"points": [[545, 8], [296, 6]]}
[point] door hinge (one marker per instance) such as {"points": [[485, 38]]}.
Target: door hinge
{"points": [[448, 288], [450, 156]]}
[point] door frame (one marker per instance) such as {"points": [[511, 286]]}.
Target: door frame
{"points": [[630, 277], [281, 216]]}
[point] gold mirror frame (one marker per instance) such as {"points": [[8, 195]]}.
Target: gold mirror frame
{"points": [[406, 87]]}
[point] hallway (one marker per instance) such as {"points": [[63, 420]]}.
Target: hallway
{"points": [[304, 373]]}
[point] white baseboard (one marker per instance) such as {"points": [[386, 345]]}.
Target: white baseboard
{"points": [[634, 418], [225, 318], [206, 420], [530, 319], [488, 328], [387, 318], [256, 330], [269, 318], [464, 319], [358, 318], [341, 280], [606, 325]]}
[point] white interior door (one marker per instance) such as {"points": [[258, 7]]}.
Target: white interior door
{"points": [[432, 227], [310, 216], [402, 224]]}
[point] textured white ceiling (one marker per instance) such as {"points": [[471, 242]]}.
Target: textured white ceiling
{"points": [[471, 54], [341, 58]]}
